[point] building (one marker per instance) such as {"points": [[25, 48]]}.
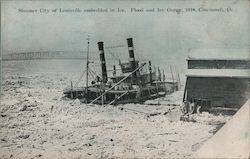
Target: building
{"points": [[217, 81]]}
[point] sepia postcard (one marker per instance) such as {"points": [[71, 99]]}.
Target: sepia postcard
{"points": [[124, 79]]}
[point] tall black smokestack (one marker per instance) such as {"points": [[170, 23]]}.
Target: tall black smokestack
{"points": [[114, 71], [132, 59], [103, 63]]}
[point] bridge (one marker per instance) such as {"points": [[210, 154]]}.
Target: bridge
{"points": [[46, 55], [77, 55]]}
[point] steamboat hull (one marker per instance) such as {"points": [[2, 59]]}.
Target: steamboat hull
{"points": [[124, 96]]}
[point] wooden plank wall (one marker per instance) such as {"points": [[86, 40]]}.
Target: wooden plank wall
{"points": [[226, 92]]}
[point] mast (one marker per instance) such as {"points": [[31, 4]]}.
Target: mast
{"points": [[178, 78], [172, 73], [87, 70], [159, 74]]}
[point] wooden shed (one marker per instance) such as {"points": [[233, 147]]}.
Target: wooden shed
{"points": [[218, 82]]}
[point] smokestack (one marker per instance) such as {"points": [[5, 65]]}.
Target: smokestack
{"points": [[103, 63], [163, 76], [114, 71], [132, 59], [150, 72]]}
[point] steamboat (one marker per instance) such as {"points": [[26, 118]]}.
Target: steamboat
{"points": [[131, 86]]}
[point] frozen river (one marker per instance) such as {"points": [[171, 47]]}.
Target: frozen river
{"points": [[37, 122]]}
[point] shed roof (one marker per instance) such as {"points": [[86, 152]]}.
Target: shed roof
{"points": [[219, 54], [232, 73]]}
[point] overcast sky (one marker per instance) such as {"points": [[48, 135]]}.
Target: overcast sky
{"points": [[156, 35]]}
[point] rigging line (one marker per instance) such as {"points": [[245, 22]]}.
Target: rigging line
{"points": [[98, 63], [112, 53], [117, 46], [93, 72], [80, 78], [93, 75]]}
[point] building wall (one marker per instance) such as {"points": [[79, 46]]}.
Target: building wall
{"points": [[226, 92], [218, 64]]}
